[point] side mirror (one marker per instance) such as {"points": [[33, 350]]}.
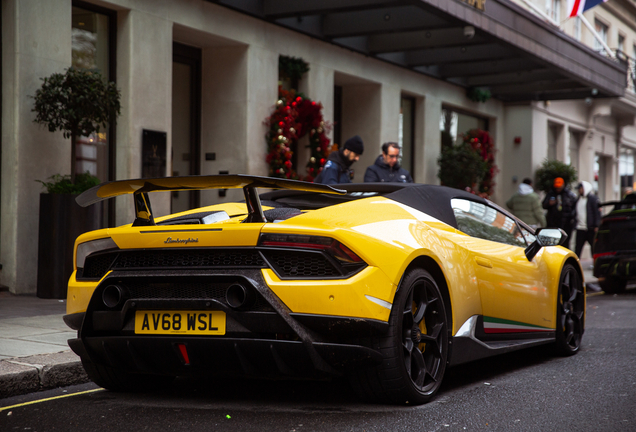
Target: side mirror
{"points": [[545, 237]]}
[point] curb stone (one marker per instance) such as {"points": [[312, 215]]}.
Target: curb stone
{"points": [[22, 375]]}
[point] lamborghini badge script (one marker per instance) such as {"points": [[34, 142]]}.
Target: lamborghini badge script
{"points": [[184, 241]]}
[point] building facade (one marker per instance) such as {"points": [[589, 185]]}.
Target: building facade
{"points": [[198, 78], [595, 135]]}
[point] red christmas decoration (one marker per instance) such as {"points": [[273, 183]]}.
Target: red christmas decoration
{"points": [[295, 116], [482, 143]]}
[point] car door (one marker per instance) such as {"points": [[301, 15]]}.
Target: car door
{"points": [[514, 291]]}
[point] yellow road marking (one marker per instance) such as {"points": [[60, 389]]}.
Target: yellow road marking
{"points": [[49, 399]]}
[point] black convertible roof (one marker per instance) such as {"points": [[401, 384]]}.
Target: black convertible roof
{"points": [[433, 200]]}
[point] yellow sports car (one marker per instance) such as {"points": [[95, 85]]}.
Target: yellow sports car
{"points": [[388, 284]]}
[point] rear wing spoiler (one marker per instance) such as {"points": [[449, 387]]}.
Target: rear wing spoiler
{"points": [[140, 188]]}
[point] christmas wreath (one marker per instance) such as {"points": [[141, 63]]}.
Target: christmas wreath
{"points": [[295, 116]]}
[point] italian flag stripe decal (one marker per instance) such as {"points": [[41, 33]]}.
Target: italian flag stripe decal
{"points": [[496, 325]]}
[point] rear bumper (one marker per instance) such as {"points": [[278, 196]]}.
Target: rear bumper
{"points": [[618, 266], [262, 337], [235, 356]]}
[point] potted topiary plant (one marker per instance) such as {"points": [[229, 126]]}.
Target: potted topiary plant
{"points": [[78, 103], [461, 167], [551, 169]]}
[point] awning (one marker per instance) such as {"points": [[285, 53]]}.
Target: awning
{"points": [[493, 44]]}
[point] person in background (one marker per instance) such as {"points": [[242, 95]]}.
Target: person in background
{"points": [[588, 217], [338, 167], [386, 167], [526, 205], [560, 203]]}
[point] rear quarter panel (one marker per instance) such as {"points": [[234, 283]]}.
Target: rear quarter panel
{"points": [[389, 236]]}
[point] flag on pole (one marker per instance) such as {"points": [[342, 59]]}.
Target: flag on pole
{"points": [[577, 7]]}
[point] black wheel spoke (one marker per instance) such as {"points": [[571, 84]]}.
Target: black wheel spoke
{"points": [[419, 312], [433, 340], [562, 317], [418, 369], [569, 330], [574, 291], [408, 345], [566, 283], [408, 351]]}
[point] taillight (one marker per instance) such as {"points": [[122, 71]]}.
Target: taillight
{"points": [[603, 254], [332, 246], [614, 219]]}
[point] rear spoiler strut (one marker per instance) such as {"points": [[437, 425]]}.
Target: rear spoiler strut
{"points": [[141, 187]]}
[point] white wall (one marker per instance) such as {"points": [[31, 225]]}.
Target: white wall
{"points": [[29, 151]]}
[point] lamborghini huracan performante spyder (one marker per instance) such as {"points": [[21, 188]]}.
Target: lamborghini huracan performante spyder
{"points": [[387, 284]]}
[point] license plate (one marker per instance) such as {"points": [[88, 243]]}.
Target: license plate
{"points": [[180, 322]]}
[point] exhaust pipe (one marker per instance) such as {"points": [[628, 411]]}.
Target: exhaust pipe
{"points": [[239, 297], [112, 296]]}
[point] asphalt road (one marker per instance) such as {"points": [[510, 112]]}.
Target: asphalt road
{"points": [[530, 390]]}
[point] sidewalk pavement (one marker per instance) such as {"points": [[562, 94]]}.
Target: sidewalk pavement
{"points": [[34, 354]]}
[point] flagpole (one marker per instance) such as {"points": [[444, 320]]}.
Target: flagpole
{"points": [[597, 36]]}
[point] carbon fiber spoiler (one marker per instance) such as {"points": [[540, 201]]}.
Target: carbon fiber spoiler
{"points": [[140, 188]]}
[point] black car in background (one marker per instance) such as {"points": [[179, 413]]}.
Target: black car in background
{"points": [[615, 246]]}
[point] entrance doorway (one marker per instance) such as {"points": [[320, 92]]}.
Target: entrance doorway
{"points": [[186, 121]]}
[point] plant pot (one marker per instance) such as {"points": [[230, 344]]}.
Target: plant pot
{"points": [[62, 220]]}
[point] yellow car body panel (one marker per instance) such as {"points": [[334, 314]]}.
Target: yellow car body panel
{"points": [[219, 235], [79, 294], [354, 297], [389, 236]]}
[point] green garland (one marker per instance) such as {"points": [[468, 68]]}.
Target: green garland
{"points": [[477, 94], [292, 67]]}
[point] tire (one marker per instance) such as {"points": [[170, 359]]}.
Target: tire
{"points": [[415, 348], [613, 285], [570, 315], [118, 380]]}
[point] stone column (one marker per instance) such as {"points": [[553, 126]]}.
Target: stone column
{"points": [[426, 163], [262, 68], [144, 76], [36, 42]]}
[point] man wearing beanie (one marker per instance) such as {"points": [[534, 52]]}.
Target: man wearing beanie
{"points": [[337, 169], [560, 203]]}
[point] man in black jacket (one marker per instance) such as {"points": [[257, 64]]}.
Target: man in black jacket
{"points": [[387, 168], [560, 203]]}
